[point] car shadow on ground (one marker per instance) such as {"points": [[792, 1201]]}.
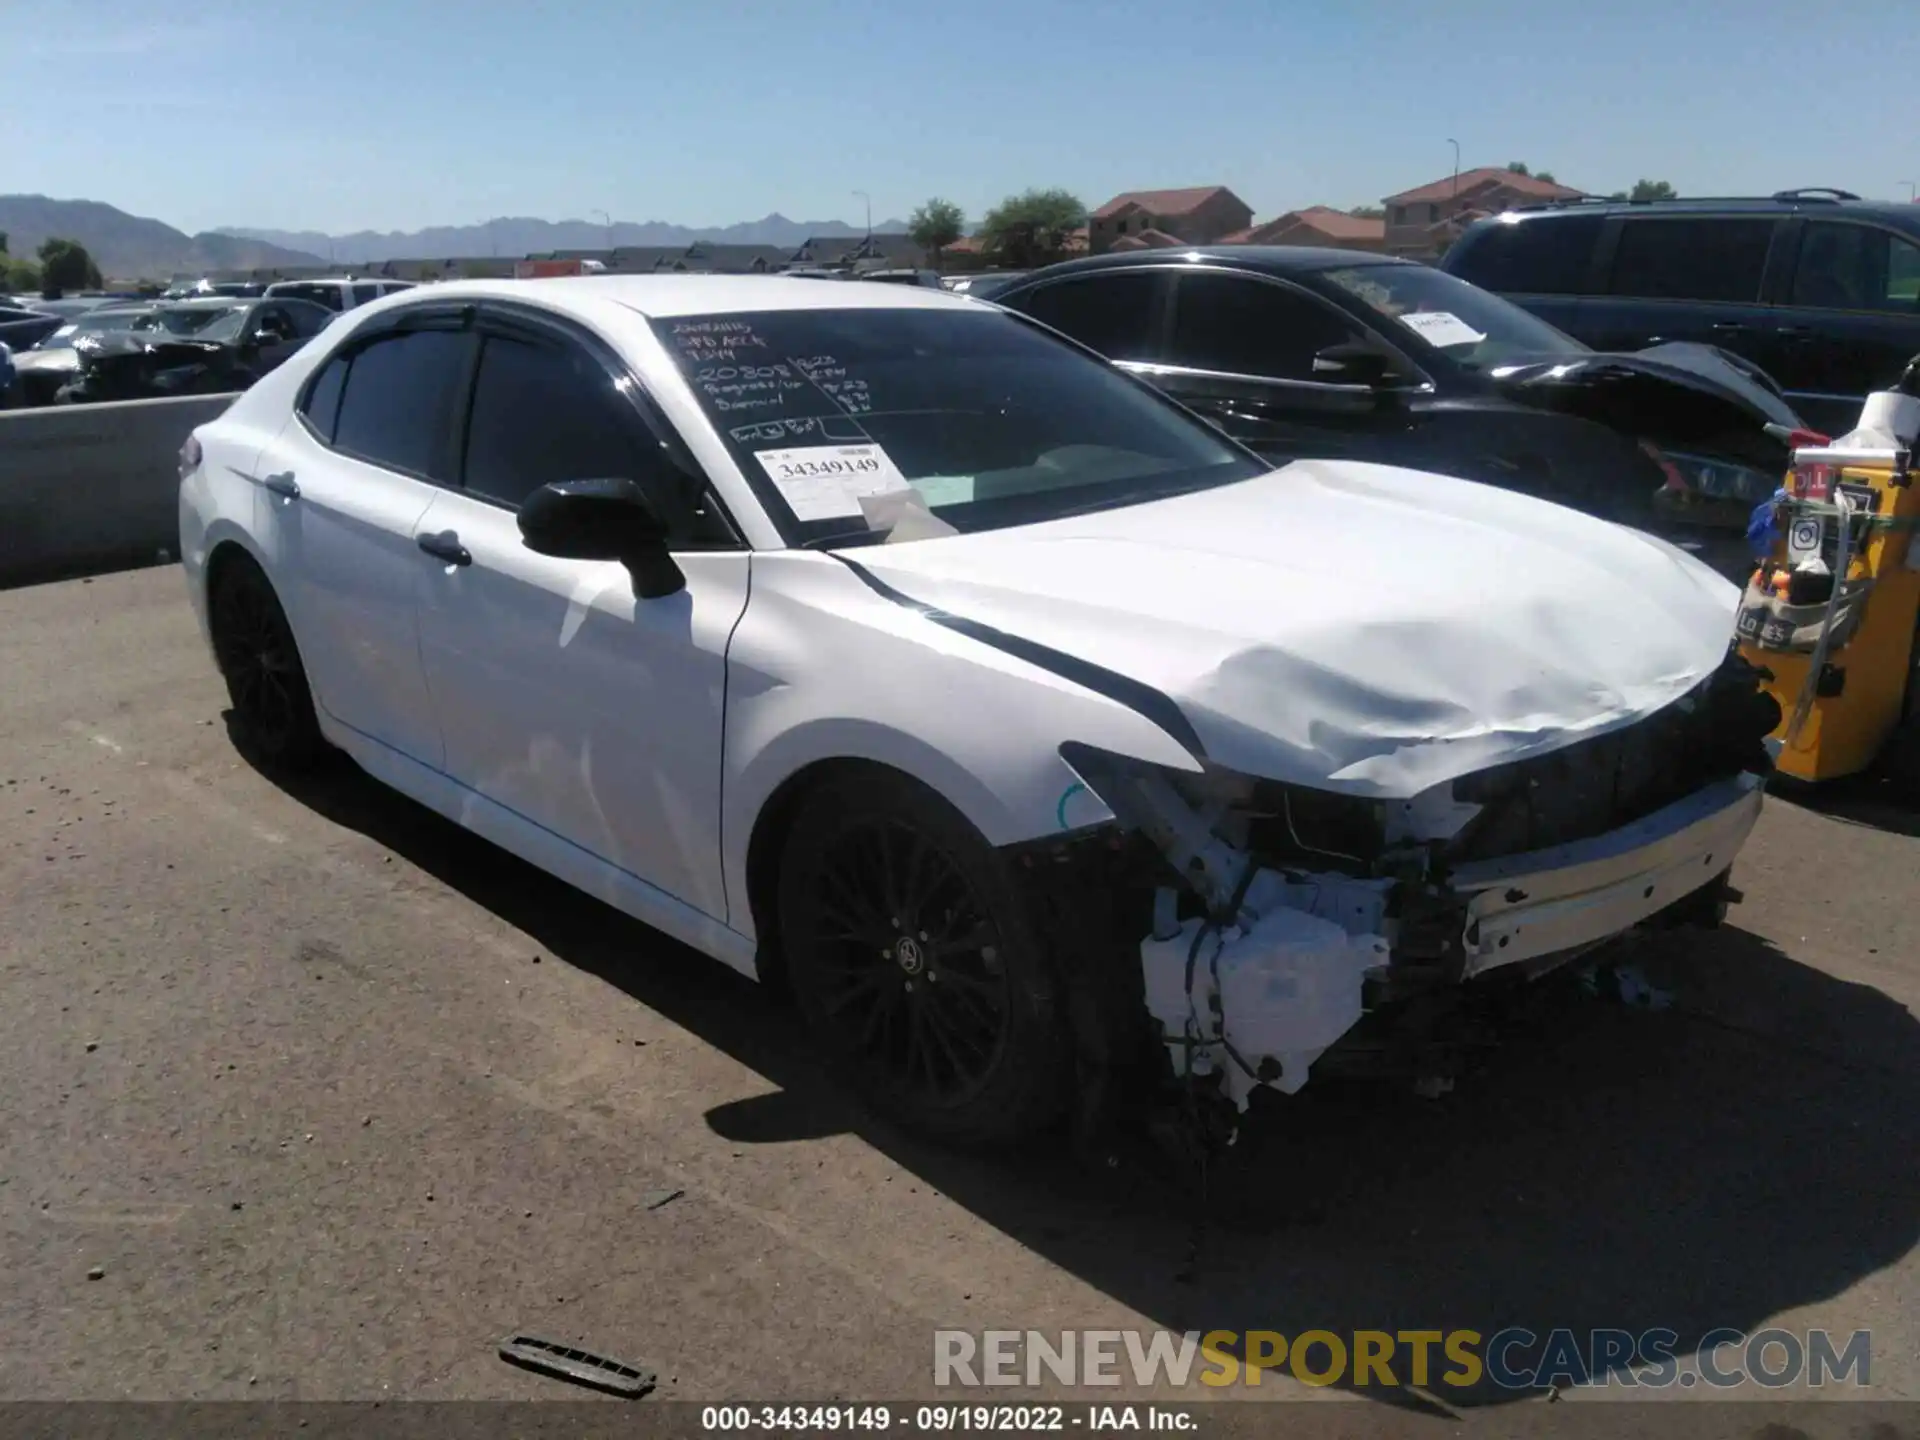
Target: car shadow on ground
{"points": [[1750, 1147]]}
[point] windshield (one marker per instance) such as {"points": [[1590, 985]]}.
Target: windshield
{"points": [[319, 294], [977, 417], [203, 322], [90, 323], [1463, 322]]}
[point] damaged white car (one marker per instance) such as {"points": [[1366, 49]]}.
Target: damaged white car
{"points": [[1033, 732]]}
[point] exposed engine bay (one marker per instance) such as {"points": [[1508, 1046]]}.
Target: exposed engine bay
{"points": [[1269, 919]]}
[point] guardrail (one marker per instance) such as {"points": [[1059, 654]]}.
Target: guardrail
{"points": [[87, 488]]}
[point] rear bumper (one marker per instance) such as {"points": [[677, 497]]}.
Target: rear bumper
{"points": [[1546, 901]]}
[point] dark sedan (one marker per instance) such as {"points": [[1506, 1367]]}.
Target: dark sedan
{"points": [[191, 347], [1304, 352]]}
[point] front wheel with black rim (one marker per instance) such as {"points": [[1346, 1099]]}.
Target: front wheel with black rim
{"points": [[912, 958], [266, 683]]}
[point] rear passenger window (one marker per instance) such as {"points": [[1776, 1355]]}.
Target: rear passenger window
{"points": [[1703, 259], [1113, 314], [1547, 256], [366, 290], [541, 414], [1853, 267], [322, 408], [393, 411]]}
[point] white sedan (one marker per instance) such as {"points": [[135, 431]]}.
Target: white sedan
{"points": [[1032, 731]]}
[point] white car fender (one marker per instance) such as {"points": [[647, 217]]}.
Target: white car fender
{"points": [[825, 667]]}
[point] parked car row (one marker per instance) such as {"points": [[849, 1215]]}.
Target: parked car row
{"points": [[1057, 750], [197, 339], [1314, 353]]}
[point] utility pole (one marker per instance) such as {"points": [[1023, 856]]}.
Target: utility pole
{"points": [[869, 199], [1456, 165]]}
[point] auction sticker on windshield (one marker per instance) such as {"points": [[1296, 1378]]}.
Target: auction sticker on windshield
{"points": [[1439, 328], [825, 482]]}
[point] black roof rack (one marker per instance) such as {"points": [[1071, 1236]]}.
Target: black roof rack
{"points": [[1818, 194]]}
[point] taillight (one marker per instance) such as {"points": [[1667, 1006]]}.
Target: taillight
{"points": [[189, 456]]}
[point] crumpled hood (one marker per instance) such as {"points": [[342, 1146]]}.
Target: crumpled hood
{"points": [[1679, 394], [1350, 626]]}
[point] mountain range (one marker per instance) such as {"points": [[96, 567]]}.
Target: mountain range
{"points": [[134, 247], [517, 235]]}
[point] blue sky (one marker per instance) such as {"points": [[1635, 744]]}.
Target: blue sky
{"points": [[395, 114]]}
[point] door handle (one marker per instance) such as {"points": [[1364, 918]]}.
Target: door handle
{"points": [[1792, 332], [1729, 326], [283, 486], [446, 546]]}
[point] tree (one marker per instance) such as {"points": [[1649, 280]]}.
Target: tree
{"points": [[1652, 190], [936, 225], [1519, 167], [66, 265], [18, 277], [1368, 212], [1031, 229]]}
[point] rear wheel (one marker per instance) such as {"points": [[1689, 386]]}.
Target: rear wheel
{"points": [[911, 956], [254, 648]]}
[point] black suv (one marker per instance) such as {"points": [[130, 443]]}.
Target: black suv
{"points": [[1817, 287]]}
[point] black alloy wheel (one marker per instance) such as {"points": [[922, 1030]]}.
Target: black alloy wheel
{"points": [[254, 648], [911, 958]]}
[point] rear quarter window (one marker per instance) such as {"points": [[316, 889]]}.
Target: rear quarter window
{"points": [[1708, 258], [1545, 256]]}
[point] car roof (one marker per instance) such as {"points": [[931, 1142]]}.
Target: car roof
{"points": [[208, 302], [1271, 259], [662, 296], [1816, 204]]}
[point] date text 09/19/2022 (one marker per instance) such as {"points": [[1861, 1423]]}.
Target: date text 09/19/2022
{"points": [[940, 1418]]}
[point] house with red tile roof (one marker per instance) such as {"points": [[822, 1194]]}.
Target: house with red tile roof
{"points": [[1423, 221], [1199, 215], [1315, 225]]}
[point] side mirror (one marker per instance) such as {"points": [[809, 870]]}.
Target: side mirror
{"points": [[603, 520], [1355, 363]]}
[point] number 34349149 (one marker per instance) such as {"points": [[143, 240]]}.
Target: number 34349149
{"points": [[813, 469]]}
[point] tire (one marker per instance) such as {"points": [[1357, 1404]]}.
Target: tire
{"points": [[266, 683], [886, 894]]}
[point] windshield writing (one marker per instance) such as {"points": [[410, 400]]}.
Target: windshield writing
{"points": [[975, 417]]}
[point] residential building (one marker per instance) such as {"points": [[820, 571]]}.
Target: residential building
{"points": [[846, 251], [1423, 221], [1200, 215], [1316, 225]]}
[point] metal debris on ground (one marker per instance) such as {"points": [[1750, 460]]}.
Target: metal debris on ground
{"points": [[582, 1367], [654, 1199], [1625, 983]]}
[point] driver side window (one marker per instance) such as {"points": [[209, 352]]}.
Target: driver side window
{"points": [[541, 414], [545, 411], [1239, 325]]}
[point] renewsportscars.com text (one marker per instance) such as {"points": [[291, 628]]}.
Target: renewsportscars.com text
{"points": [[1515, 1358]]}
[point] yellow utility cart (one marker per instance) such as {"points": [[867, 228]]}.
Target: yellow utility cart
{"points": [[1832, 614]]}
